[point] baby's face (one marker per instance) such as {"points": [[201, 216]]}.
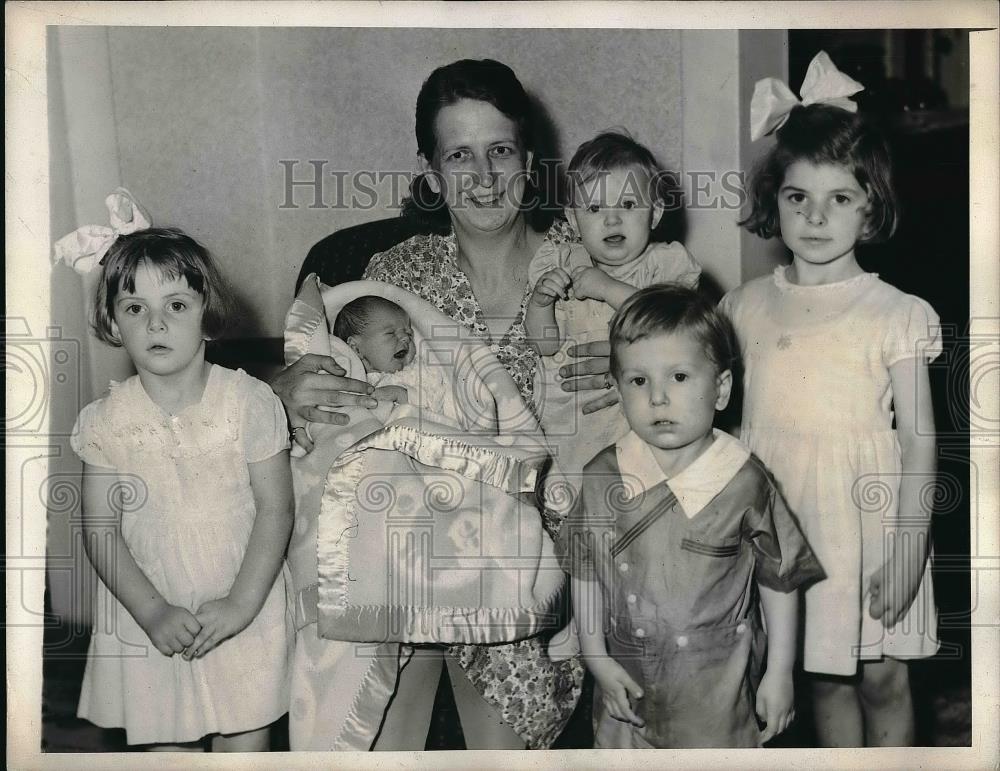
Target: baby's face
{"points": [[613, 214], [386, 343]]}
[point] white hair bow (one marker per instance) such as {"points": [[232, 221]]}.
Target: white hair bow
{"points": [[85, 247], [772, 100]]}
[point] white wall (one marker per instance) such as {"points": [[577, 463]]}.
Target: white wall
{"points": [[200, 118], [720, 68], [84, 168]]}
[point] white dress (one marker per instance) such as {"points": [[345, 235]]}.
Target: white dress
{"points": [[576, 438], [818, 411], [187, 516]]}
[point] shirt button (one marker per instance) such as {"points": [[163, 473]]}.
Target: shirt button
{"points": [[631, 599], [682, 641], [741, 629], [623, 567], [640, 632]]}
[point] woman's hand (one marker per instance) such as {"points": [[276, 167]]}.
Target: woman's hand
{"points": [[590, 374], [170, 628], [775, 703], [220, 620], [618, 689], [314, 383]]}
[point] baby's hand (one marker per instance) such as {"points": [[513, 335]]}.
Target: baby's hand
{"points": [[616, 688], [552, 286], [590, 284], [775, 703], [220, 620], [171, 628], [392, 393]]}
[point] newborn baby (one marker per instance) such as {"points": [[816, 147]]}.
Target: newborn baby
{"points": [[380, 333]]}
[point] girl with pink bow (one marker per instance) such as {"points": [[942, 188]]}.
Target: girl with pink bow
{"points": [[837, 403]]}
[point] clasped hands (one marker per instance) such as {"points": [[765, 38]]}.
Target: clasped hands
{"points": [[173, 629], [582, 283]]}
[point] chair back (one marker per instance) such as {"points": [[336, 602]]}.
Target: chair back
{"points": [[344, 255]]}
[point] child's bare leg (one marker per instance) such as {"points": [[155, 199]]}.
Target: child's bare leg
{"points": [[409, 714], [248, 741], [482, 725], [887, 703], [837, 712]]}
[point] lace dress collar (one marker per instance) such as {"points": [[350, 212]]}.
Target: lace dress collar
{"points": [[782, 282]]}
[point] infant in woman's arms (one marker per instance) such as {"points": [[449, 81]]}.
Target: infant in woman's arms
{"points": [[381, 335]]}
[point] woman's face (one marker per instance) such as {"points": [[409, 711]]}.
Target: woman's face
{"points": [[479, 166]]}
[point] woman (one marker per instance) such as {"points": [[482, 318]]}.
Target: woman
{"points": [[474, 143]]}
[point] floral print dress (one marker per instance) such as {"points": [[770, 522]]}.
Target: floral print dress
{"points": [[534, 695]]}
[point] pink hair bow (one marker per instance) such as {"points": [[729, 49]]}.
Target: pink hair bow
{"points": [[772, 100], [85, 247]]}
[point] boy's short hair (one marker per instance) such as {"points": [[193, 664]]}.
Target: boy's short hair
{"points": [[612, 151], [354, 317], [670, 308], [176, 255]]}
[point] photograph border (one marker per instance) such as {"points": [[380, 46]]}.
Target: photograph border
{"points": [[28, 266]]}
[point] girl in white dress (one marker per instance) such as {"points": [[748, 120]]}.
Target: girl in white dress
{"points": [[837, 404], [187, 509]]}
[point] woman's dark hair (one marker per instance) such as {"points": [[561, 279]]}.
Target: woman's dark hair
{"points": [[483, 80], [175, 255], [670, 308], [821, 134]]}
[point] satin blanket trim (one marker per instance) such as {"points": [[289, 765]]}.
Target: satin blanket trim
{"points": [[340, 619]]}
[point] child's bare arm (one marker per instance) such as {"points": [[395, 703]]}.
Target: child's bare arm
{"points": [[595, 284], [894, 585], [271, 481], [616, 684], [540, 313], [775, 695], [170, 628], [391, 393]]}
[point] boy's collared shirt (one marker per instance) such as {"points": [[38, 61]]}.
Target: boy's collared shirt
{"points": [[696, 485], [677, 561]]}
